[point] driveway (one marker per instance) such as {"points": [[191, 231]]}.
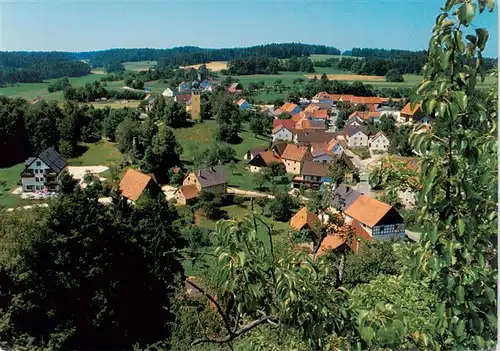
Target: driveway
{"points": [[248, 193], [78, 172]]}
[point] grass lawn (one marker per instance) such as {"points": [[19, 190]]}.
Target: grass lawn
{"points": [[101, 153], [139, 65], [195, 140], [30, 91], [117, 104], [11, 176]]}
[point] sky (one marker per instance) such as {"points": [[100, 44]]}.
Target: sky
{"points": [[47, 25]]}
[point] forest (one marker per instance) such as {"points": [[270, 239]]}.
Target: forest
{"points": [[187, 55], [34, 67]]}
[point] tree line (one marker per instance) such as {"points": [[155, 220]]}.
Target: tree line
{"points": [[34, 67], [266, 65], [187, 55]]}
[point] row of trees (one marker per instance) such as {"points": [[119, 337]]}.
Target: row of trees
{"points": [[268, 65], [96, 90], [34, 67], [27, 130]]}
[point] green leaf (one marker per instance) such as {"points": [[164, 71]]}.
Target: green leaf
{"points": [[445, 59], [461, 99], [461, 226], [482, 4], [422, 87], [490, 4], [466, 13], [442, 109], [367, 334], [440, 310], [479, 342], [460, 328], [241, 255], [482, 35], [460, 294]]}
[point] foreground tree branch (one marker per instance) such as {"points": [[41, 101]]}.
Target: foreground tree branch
{"points": [[242, 331]]}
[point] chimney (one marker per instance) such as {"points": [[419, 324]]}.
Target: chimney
{"points": [[199, 173]]}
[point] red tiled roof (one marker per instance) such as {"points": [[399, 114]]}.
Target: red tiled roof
{"points": [[367, 210], [287, 123], [303, 217], [288, 107], [330, 242], [241, 101], [133, 183], [407, 110], [294, 152], [189, 191], [269, 157]]}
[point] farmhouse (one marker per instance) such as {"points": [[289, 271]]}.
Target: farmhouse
{"points": [[278, 147], [313, 175], [320, 153], [378, 142], [304, 220], [210, 179], [294, 156], [409, 114], [235, 88], [243, 104], [340, 241], [378, 219], [186, 194], [355, 136], [263, 159], [307, 138], [291, 108], [41, 172], [344, 196], [250, 154], [282, 133], [169, 92], [134, 184]]}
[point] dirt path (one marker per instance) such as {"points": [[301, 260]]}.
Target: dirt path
{"points": [[248, 193]]}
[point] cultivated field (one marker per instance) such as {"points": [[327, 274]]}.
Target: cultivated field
{"points": [[117, 104], [214, 65], [139, 65]]}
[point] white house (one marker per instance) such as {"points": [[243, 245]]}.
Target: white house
{"points": [[378, 142], [356, 137], [41, 172], [168, 93], [282, 133]]}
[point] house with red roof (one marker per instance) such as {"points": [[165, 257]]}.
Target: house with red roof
{"points": [[283, 129], [294, 157], [262, 160], [243, 104], [290, 108], [378, 219], [235, 88]]}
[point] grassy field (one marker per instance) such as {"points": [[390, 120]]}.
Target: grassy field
{"points": [[101, 153], [195, 140], [139, 65], [213, 66], [10, 176], [117, 104], [29, 91]]}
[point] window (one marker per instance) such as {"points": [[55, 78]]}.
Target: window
{"points": [[36, 179], [29, 187], [38, 163], [38, 187]]}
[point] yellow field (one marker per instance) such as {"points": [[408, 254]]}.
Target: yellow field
{"points": [[213, 66], [349, 77]]}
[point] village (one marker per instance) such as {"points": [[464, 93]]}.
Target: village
{"points": [[305, 141]]}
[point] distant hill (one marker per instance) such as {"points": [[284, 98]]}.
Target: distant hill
{"points": [[188, 55]]}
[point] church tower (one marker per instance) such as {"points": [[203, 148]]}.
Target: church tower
{"points": [[195, 107]]}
